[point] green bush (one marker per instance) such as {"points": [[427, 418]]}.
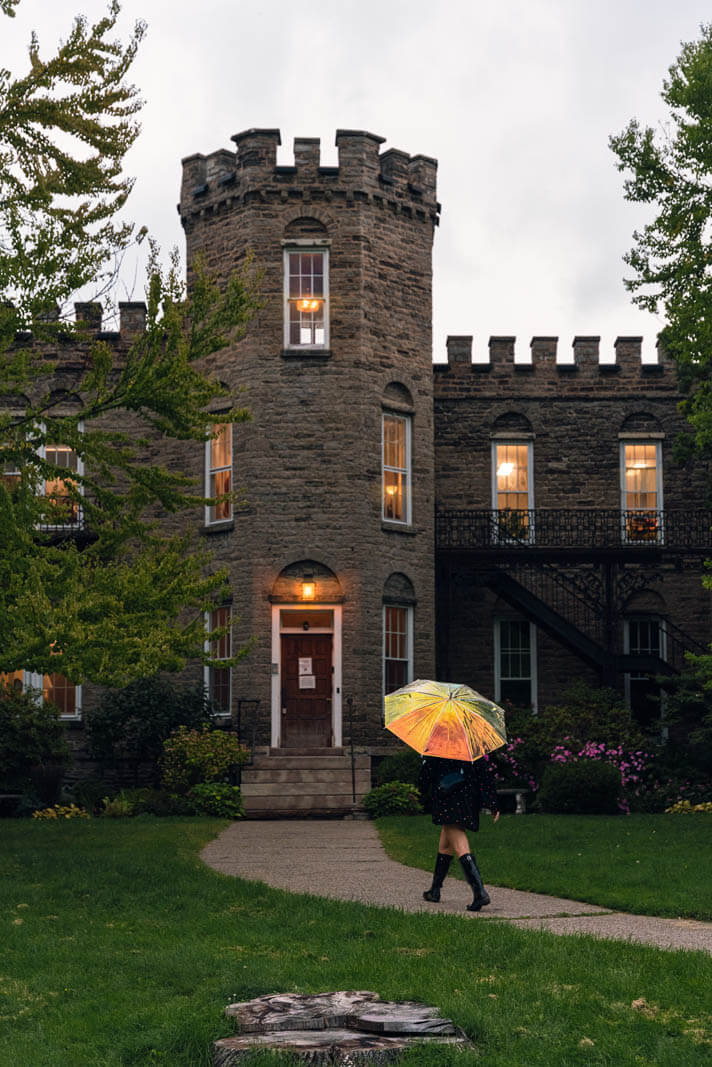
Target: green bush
{"points": [[89, 792], [393, 798], [193, 756], [584, 714], [132, 723], [581, 787], [403, 766], [217, 798], [33, 749]]}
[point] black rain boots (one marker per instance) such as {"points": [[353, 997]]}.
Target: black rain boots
{"points": [[442, 865], [473, 876]]}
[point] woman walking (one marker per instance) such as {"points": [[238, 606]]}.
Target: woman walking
{"points": [[459, 791]]}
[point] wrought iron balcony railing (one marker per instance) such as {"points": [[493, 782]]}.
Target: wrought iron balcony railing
{"points": [[574, 528]]}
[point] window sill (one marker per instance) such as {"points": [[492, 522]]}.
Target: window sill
{"points": [[218, 527], [317, 354], [398, 527]]}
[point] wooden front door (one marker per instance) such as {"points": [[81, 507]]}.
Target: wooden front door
{"points": [[306, 690]]}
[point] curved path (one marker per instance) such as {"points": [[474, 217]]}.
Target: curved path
{"points": [[344, 859]]}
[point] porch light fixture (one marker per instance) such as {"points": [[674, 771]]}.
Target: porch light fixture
{"points": [[308, 589], [309, 304]]}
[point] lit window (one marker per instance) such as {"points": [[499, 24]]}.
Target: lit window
{"points": [[641, 490], [397, 647], [306, 285], [513, 496], [515, 662], [65, 694], [218, 679], [60, 488], [396, 468], [12, 681], [10, 476], [219, 474]]}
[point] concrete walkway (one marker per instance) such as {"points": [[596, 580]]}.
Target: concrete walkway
{"points": [[344, 859]]}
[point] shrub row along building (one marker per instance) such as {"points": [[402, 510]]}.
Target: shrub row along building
{"points": [[505, 523]]}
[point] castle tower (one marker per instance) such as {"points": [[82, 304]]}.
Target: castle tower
{"points": [[331, 556]]}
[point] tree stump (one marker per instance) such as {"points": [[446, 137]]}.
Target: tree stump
{"points": [[342, 1028]]}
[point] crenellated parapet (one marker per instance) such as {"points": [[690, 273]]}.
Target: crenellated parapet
{"points": [[391, 179], [505, 368]]}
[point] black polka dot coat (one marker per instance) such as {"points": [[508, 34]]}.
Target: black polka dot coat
{"points": [[459, 806]]}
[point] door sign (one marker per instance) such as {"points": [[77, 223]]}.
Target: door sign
{"points": [[307, 681], [305, 666]]}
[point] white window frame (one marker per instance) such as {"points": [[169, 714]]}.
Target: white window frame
{"points": [[208, 669], [498, 679], [406, 471], [210, 519], [35, 681], [42, 453], [408, 609], [500, 530], [305, 247], [643, 439], [662, 652]]}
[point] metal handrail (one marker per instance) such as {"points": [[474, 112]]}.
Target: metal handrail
{"points": [[574, 528]]}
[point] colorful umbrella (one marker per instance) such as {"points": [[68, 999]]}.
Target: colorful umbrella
{"points": [[445, 719]]}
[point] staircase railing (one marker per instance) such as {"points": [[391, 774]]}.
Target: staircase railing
{"points": [[583, 528]]}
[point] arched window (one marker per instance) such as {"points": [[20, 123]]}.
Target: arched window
{"points": [[513, 477], [397, 433], [398, 610], [306, 284], [641, 476]]}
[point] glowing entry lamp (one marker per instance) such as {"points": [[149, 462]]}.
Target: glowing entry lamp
{"points": [[308, 589], [308, 304]]}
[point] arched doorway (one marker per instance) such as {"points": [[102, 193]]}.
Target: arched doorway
{"points": [[306, 658]]}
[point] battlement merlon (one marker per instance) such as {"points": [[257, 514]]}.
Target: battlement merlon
{"points": [[586, 359], [391, 174]]}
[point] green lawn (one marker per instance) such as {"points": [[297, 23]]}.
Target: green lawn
{"points": [[120, 947], [648, 864]]}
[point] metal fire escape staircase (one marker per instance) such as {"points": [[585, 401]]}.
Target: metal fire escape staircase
{"points": [[572, 594]]}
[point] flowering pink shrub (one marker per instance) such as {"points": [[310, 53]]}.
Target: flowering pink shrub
{"points": [[508, 765], [630, 765]]}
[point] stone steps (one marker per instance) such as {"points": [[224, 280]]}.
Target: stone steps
{"points": [[278, 783]]}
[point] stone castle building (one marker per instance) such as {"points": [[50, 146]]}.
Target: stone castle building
{"points": [[508, 524]]}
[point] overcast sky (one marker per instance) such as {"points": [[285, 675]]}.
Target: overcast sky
{"points": [[515, 98]]}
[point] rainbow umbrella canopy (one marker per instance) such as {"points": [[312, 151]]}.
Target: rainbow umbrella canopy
{"points": [[445, 719]]}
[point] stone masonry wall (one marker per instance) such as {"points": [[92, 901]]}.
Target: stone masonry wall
{"points": [[310, 459], [574, 413]]}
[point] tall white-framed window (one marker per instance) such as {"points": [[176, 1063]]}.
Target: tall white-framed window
{"points": [[397, 646], [10, 475], [218, 473], [53, 687], [65, 694], [306, 296], [513, 489], [644, 635], [396, 496], [217, 679], [641, 490], [61, 488], [515, 677]]}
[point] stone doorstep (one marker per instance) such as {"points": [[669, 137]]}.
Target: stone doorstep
{"points": [[333, 787], [252, 776], [306, 762], [300, 805], [333, 1028]]}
